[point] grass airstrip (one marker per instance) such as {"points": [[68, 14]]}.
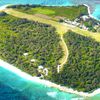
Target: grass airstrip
{"points": [[61, 28]]}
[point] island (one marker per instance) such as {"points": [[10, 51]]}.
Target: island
{"points": [[47, 44]]}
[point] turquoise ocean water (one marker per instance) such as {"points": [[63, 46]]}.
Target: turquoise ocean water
{"points": [[13, 87], [94, 4]]}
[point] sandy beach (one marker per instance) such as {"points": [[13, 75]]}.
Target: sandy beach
{"points": [[89, 11], [45, 82], [3, 7]]}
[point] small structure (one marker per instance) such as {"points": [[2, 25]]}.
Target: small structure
{"points": [[74, 23], [45, 71], [25, 54], [76, 20], [40, 67], [83, 27], [85, 17], [33, 60], [58, 68]]}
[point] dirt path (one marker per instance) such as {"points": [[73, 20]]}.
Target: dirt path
{"points": [[66, 53]]}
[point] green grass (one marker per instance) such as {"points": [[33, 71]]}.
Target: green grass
{"points": [[43, 11], [67, 12]]}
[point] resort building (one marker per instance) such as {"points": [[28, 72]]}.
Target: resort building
{"points": [[58, 68], [25, 54], [33, 60]]}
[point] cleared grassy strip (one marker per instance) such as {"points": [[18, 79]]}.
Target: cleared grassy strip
{"points": [[43, 11], [67, 12], [95, 36], [61, 28], [83, 32]]}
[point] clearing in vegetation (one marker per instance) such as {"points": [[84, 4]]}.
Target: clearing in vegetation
{"points": [[60, 28], [67, 12]]}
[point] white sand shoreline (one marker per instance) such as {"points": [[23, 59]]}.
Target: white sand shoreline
{"points": [[3, 7], [45, 82], [89, 11]]}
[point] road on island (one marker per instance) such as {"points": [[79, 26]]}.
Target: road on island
{"points": [[66, 53]]}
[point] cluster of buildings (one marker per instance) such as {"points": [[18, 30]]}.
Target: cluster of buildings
{"points": [[79, 22], [41, 69], [44, 71]]}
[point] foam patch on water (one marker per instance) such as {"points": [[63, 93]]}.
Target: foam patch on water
{"points": [[77, 99], [52, 94]]}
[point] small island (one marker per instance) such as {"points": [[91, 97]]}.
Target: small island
{"points": [[45, 42]]}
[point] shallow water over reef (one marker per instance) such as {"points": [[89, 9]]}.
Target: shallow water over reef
{"points": [[15, 87]]}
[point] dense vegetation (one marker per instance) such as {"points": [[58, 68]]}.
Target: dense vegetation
{"points": [[82, 70], [40, 41], [66, 12]]}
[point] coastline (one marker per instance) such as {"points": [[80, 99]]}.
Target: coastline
{"points": [[45, 82], [90, 15], [3, 7], [89, 12]]}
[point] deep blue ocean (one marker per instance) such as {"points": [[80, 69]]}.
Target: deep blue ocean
{"points": [[13, 87]]}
